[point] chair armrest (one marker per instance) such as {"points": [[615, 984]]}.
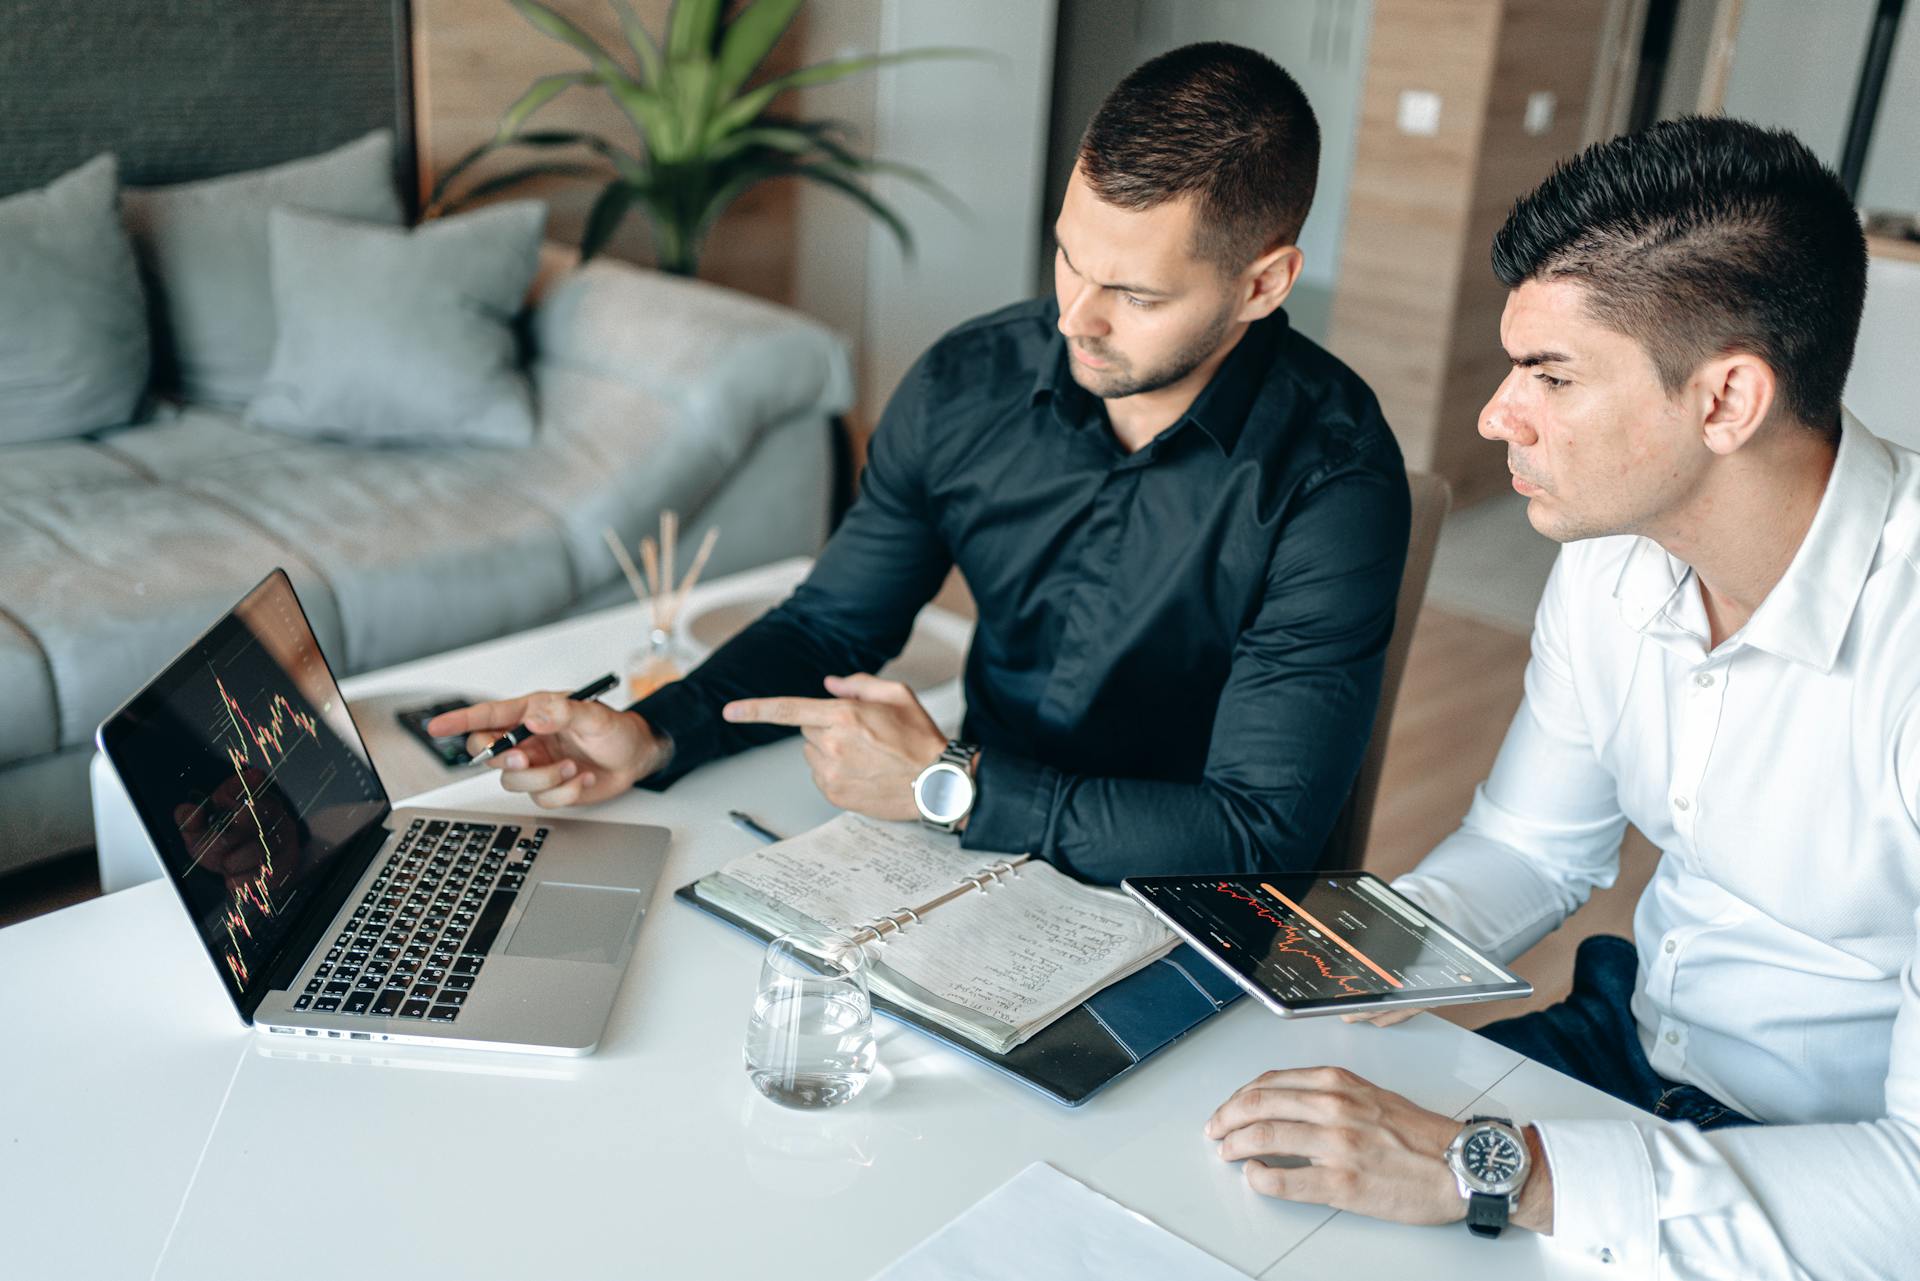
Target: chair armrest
{"points": [[730, 360]]}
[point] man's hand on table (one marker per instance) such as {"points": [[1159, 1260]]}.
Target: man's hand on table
{"points": [[865, 745], [581, 752], [1370, 1150]]}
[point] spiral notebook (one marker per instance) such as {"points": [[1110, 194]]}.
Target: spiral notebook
{"points": [[1061, 984]]}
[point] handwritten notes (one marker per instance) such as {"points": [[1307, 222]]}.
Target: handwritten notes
{"points": [[995, 964]]}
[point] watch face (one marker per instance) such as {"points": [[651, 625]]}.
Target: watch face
{"points": [[1492, 1160], [945, 792]]}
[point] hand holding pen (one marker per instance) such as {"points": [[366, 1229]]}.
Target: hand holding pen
{"points": [[563, 749]]}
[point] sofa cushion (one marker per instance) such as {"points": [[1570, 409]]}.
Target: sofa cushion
{"points": [[61, 464], [418, 553], [111, 583], [389, 336], [205, 248], [27, 706], [73, 320], [729, 361]]}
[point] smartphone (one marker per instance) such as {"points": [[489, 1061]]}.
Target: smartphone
{"points": [[450, 748]]}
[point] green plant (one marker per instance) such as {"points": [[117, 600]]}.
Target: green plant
{"points": [[705, 137]]}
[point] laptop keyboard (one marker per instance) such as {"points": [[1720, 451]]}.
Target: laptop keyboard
{"points": [[417, 940]]}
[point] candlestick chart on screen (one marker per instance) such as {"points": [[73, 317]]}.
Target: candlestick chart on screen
{"points": [[258, 740]]}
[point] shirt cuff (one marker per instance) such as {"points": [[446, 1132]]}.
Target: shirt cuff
{"points": [[1014, 804], [690, 723], [1604, 1207]]}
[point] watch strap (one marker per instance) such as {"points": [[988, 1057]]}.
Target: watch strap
{"points": [[1486, 1214]]}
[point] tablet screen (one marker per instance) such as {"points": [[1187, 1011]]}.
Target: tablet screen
{"points": [[1326, 941]]}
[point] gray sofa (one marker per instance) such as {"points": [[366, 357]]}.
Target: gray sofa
{"points": [[117, 548]]}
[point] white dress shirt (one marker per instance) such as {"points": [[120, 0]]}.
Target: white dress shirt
{"points": [[1779, 775]]}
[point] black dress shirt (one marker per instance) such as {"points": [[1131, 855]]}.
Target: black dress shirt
{"points": [[1179, 650]]}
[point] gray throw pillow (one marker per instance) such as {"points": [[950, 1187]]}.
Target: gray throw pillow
{"points": [[204, 245], [73, 322], [402, 337]]}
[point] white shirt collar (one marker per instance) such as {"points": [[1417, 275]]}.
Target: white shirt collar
{"points": [[1805, 618]]}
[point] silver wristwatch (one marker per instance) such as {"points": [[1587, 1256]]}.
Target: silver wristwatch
{"points": [[1490, 1165], [945, 790]]}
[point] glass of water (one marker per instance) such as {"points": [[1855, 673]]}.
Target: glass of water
{"points": [[810, 1039]]}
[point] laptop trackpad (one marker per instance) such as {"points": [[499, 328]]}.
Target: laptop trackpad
{"points": [[576, 923]]}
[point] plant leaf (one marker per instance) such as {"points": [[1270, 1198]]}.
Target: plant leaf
{"points": [[749, 38], [831, 177], [459, 167], [645, 51], [630, 167], [564, 30], [543, 91], [526, 173], [604, 219], [744, 109], [690, 29]]}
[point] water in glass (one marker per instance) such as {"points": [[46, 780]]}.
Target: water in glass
{"points": [[810, 1039]]}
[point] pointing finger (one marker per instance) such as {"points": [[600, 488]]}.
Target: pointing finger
{"points": [[785, 711]]}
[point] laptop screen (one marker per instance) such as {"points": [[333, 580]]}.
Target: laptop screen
{"points": [[250, 777]]}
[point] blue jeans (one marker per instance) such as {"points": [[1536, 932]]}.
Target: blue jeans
{"points": [[1591, 1036]]}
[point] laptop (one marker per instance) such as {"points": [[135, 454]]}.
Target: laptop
{"points": [[327, 913]]}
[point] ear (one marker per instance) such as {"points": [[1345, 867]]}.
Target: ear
{"points": [[1737, 392], [1268, 281]]}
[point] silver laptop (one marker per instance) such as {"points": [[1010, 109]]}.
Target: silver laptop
{"points": [[329, 914]]}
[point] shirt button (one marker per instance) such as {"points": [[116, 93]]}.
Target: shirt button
{"points": [[1704, 680], [1673, 1038], [1681, 803], [1670, 947], [1606, 1255]]}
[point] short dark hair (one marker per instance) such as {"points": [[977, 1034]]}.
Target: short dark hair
{"points": [[1220, 122], [1704, 236]]}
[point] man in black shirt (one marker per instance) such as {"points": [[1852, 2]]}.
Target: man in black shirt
{"points": [[1183, 524]]}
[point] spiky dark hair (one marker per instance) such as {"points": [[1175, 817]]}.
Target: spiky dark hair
{"points": [[1704, 236]]}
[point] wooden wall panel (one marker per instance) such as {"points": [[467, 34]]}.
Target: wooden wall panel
{"points": [[1417, 308], [473, 58]]}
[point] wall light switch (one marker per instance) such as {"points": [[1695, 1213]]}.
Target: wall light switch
{"points": [[1419, 112], [1539, 116]]}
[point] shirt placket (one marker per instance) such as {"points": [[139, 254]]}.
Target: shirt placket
{"points": [[1697, 720]]}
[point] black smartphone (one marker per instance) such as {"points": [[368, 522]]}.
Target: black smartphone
{"points": [[450, 748]]}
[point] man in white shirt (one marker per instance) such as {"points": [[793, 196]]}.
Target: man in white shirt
{"points": [[1728, 657]]}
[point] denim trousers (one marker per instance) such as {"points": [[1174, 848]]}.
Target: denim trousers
{"points": [[1591, 1036]]}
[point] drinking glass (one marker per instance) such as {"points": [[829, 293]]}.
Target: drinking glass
{"points": [[810, 1038]]}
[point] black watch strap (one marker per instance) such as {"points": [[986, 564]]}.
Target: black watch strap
{"points": [[1486, 1215]]}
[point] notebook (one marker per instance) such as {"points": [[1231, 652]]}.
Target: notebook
{"points": [[992, 950]]}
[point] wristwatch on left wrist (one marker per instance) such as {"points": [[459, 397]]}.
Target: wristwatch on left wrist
{"points": [[945, 791], [1490, 1165]]}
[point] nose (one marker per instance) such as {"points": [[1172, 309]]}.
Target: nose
{"points": [[1079, 313], [1503, 420]]}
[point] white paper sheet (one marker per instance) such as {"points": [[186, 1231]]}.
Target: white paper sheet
{"points": [[1040, 1223]]}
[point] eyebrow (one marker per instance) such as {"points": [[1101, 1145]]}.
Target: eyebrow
{"points": [[1533, 358], [1125, 289]]}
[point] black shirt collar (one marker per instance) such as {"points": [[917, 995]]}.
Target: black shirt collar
{"points": [[1221, 408]]}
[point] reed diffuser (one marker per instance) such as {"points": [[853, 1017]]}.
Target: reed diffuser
{"points": [[658, 661]]}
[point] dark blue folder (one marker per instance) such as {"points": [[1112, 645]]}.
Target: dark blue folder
{"points": [[1095, 1043]]}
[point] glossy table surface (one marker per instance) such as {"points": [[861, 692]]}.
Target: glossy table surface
{"points": [[145, 1131]]}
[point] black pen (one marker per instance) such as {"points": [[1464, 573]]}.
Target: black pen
{"points": [[520, 733], [746, 824]]}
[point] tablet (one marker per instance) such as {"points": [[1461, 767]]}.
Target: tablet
{"points": [[1324, 942]]}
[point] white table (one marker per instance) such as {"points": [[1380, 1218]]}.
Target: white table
{"points": [[144, 1131]]}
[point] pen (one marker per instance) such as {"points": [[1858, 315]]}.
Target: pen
{"points": [[520, 733], [746, 824]]}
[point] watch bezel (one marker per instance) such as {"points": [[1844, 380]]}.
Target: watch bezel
{"points": [[927, 812], [1470, 1182]]}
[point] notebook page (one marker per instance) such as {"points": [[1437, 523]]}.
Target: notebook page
{"points": [[851, 869], [1022, 952]]}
